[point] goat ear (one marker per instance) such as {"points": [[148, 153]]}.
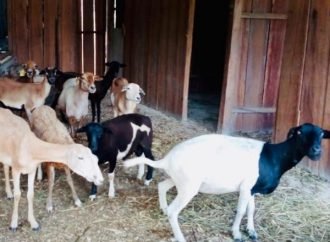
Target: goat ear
{"points": [[81, 130], [293, 131], [97, 78], [24, 65], [124, 89], [326, 134], [142, 92]]}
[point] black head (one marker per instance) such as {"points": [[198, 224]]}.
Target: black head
{"points": [[51, 74], [94, 132], [308, 138], [114, 66]]}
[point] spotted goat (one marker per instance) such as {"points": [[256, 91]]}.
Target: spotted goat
{"points": [[117, 139]]}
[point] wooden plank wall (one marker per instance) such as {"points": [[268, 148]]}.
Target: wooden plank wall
{"points": [[304, 92], [254, 65], [156, 51], [37, 26]]}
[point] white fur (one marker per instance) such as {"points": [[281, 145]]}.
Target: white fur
{"points": [[125, 99], [213, 164], [73, 100]]}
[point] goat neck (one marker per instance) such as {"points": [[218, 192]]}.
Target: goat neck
{"points": [[43, 151]]}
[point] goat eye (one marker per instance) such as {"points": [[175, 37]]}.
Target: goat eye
{"points": [[80, 158]]}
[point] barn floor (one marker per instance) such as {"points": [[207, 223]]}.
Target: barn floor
{"points": [[204, 110], [299, 210]]}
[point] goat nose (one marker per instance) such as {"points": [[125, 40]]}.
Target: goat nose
{"points": [[316, 148]]}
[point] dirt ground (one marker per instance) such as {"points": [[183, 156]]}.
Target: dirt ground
{"points": [[299, 210]]}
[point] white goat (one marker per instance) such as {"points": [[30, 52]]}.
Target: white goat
{"points": [[73, 101], [217, 164], [47, 127], [125, 96], [23, 151]]}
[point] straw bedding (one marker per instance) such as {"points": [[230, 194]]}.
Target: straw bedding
{"points": [[299, 210]]}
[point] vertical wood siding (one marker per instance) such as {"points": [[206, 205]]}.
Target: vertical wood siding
{"points": [[155, 50], [36, 25], [304, 93]]}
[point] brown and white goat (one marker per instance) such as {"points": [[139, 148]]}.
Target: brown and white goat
{"points": [[23, 152], [24, 72], [73, 101], [125, 96]]}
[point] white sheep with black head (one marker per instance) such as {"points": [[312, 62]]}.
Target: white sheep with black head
{"points": [[217, 164]]}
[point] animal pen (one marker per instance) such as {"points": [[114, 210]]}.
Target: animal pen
{"points": [[267, 72]]}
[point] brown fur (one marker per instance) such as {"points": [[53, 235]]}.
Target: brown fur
{"points": [[30, 95]]}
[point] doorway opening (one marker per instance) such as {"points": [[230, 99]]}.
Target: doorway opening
{"points": [[211, 31]]}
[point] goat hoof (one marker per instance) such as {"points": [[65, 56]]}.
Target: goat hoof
{"points": [[78, 203], [36, 228], [147, 182], [252, 235], [92, 197], [13, 229], [49, 209]]}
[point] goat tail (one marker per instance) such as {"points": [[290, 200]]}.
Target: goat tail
{"points": [[144, 160]]}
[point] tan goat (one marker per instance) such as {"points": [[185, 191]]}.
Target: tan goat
{"points": [[23, 151], [24, 95], [47, 127]]}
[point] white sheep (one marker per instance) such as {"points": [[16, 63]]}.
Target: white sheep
{"points": [[47, 127], [23, 152], [217, 164], [73, 100], [125, 96]]}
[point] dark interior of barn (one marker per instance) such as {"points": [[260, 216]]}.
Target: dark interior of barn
{"points": [[211, 22], [3, 27]]}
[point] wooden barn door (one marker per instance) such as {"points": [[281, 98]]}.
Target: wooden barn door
{"points": [[251, 86], [92, 34], [45, 31]]}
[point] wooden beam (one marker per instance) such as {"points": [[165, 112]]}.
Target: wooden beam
{"points": [[254, 110], [271, 16]]}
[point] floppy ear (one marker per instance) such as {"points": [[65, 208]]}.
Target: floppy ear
{"points": [[293, 131], [142, 92], [81, 130], [43, 72], [124, 89], [98, 78], [326, 134]]}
